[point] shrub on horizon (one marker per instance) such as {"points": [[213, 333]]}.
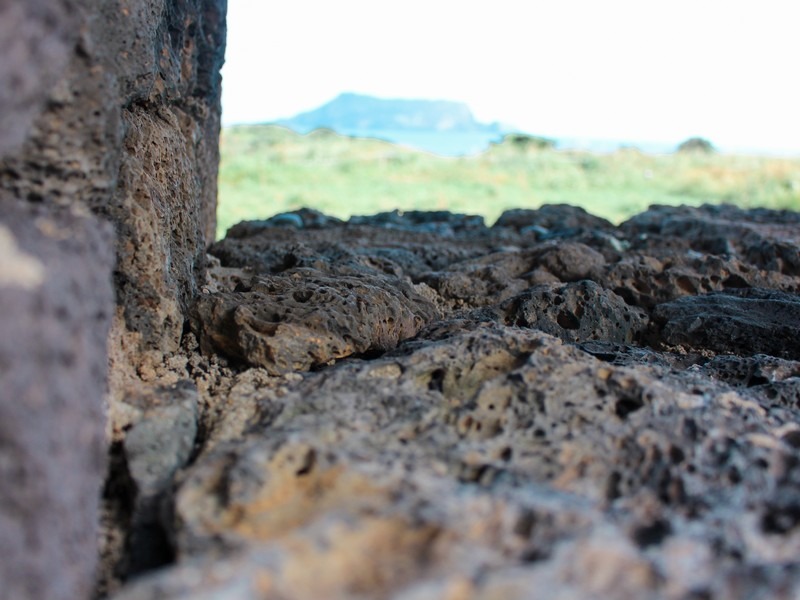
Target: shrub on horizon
{"points": [[696, 144], [525, 141]]}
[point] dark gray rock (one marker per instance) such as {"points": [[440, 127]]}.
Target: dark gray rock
{"points": [[766, 239], [742, 322], [162, 439], [441, 222], [57, 302], [552, 218], [629, 355], [576, 312], [497, 276], [338, 248], [751, 371], [159, 442], [663, 274], [37, 38]]}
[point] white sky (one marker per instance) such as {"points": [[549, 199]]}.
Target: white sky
{"points": [[607, 69]]}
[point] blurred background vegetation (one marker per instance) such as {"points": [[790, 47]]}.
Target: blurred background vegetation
{"points": [[267, 169]]}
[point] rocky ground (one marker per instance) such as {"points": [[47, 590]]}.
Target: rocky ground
{"points": [[417, 406]]}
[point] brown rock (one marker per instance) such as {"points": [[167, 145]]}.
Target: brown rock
{"points": [[484, 458], [134, 140], [111, 109], [497, 276], [303, 320], [492, 447], [380, 409]]}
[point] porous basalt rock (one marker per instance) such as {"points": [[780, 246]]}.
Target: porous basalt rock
{"points": [[130, 130], [267, 248], [406, 405], [303, 319], [497, 276], [499, 450], [56, 298], [550, 423], [576, 312], [553, 219], [740, 322], [109, 120]]}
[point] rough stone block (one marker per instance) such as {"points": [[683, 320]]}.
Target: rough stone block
{"points": [[743, 322], [56, 302]]}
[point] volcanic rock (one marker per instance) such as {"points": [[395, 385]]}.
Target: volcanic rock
{"points": [[57, 302], [129, 130], [409, 405], [304, 319], [576, 312], [741, 322], [109, 121], [544, 415], [553, 218]]}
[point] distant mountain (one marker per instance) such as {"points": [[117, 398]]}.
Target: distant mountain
{"points": [[349, 112]]}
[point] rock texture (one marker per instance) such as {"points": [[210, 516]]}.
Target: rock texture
{"points": [[36, 40], [407, 405], [129, 130], [300, 321], [109, 122], [418, 406], [739, 321], [57, 304]]}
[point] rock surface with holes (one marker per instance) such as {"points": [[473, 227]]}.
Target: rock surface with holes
{"points": [[406, 405], [129, 94], [56, 305], [743, 321], [303, 319], [418, 406], [576, 312], [109, 121]]}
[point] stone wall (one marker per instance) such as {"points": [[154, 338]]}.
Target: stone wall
{"points": [[131, 132], [36, 39], [57, 303], [109, 123]]}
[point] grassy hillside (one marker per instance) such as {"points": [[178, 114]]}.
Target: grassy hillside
{"points": [[266, 170]]}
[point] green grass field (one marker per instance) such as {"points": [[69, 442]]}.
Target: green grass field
{"points": [[267, 170]]}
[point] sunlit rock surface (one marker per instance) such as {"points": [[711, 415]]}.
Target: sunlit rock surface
{"points": [[418, 406]]}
